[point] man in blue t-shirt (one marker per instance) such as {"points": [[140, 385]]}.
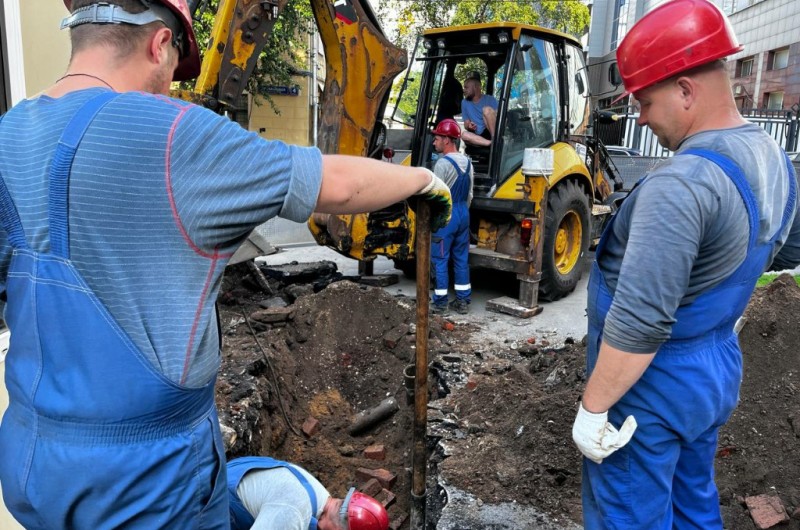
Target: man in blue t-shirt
{"points": [[120, 210], [479, 112]]}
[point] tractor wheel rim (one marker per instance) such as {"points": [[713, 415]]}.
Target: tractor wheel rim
{"points": [[567, 247]]}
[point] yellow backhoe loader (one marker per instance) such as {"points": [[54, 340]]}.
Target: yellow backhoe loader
{"points": [[537, 227]]}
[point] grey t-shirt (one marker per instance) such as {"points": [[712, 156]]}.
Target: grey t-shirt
{"points": [[276, 499], [686, 229], [445, 171]]}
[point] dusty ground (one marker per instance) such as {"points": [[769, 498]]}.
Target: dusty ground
{"points": [[760, 446], [500, 415]]}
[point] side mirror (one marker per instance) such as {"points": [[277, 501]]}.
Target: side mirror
{"points": [[613, 75]]}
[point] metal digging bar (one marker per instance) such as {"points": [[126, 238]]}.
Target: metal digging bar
{"points": [[420, 452]]}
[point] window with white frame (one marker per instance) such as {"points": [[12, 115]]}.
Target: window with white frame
{"points": [[774, 100], [620, 25], [779, 59], [744, 67]]}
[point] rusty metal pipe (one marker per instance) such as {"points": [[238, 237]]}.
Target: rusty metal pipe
{"points": [[366, 419], [420, 451]]}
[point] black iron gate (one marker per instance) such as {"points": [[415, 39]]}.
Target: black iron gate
{"points": [[782, 125]]}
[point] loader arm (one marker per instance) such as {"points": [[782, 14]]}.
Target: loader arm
{"points": [[361, 65], [240, 32]]}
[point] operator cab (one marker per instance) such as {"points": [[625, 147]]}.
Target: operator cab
{"points": [[536, 75]]}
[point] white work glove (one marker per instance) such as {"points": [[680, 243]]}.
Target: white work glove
{"points": [[437, 194], [596, 438]]}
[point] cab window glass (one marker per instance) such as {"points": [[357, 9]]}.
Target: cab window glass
{"points": [[532, 115], [578, 92]]}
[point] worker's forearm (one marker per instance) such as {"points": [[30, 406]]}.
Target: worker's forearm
{"points": [[356, 185], [615, 373]]}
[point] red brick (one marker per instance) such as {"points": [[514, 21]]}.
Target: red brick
{"points": [[371, 487], [393, 336], [375, 452], [766, 511], [385, 497], [448, 326], [472, 384], [386, 478], [398, 521], [311, 426]]}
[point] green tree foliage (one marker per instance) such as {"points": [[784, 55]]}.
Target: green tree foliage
{"points": [[410, 18], [408, 102]]}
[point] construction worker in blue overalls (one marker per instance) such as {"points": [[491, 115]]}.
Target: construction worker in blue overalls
{"points": [[269, 494], [120, 209], [451, 243], [673, 273]]}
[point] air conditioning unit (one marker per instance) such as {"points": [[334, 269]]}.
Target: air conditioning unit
{"points": [[737, 90]]}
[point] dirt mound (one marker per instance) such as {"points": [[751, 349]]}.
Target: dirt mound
{"points": [[500, 417], [760, 446], [519, 419]]}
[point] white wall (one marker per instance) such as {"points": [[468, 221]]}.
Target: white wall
{"points": [[16, 61]]}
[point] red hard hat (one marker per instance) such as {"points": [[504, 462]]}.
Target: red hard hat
{"points": [[362, 512], [447, 127], [673, 38], [189, 64]]}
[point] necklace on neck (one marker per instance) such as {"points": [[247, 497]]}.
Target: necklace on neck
{"points": [[85, 75]]}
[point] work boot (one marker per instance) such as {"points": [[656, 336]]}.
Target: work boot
{"points": [[440, 309], [460, 306]]}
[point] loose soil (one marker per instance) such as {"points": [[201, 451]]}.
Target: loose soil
{"points": [[499, 418]]}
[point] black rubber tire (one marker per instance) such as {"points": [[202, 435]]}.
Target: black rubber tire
{"points": [[407, 267], [565, 200]]}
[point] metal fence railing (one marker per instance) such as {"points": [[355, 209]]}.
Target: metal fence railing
{"points": [[782, 125]]}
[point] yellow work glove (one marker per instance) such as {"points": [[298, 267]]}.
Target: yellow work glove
{"points": [[437, 195]]}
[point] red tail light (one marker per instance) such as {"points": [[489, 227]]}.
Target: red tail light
{"points": [[388, 153], [525, 231]]}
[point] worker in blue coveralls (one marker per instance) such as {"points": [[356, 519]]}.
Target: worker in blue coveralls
{"points": [[120, 208], [479, 112], [268, 494], [451, 243], [674, 271]]}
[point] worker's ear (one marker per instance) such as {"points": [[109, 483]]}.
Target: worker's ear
{"points": [[159, 46], [688, 90]]}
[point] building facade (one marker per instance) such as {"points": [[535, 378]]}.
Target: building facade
{"points": [[766, 75]]}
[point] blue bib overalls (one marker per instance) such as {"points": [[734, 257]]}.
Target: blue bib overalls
{"points": [[94, 437], [238, 468], [664, 478], [453, 240]]}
